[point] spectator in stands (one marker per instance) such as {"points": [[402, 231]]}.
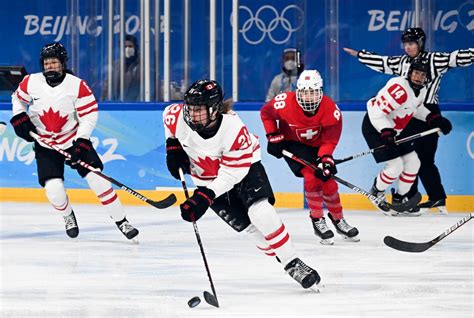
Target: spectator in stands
{"points": [[291, 69], [132, 73]]}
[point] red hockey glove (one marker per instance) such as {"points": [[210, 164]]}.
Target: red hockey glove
{"points": [[194, 207], [326, 168], [388, 137], [176, 158], [436, 120], [276, 144], [22, 125]]}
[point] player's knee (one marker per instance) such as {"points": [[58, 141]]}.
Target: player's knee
{"points": [[330, 187], [262, 213], [394, 167], [411, 162], [55, 191]]}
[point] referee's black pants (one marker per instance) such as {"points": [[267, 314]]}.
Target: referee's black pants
{"points": [[425, 148]]}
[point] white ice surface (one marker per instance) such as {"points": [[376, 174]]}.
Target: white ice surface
{"points": [[101, 274]]}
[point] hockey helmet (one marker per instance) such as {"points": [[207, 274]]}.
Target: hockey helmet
{"points": [[56, 50], [309, 90], [416, 35], [203, 98], [421, 65]]}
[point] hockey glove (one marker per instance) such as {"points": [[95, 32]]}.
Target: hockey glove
{"points": [[276, 144], [388, 137], [436, 120], [326, 168], [23, 126], [194, 207], [80, 148], [176, 158]]}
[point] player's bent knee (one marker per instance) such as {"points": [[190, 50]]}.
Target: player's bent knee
{"points": [[55, 191], [263, 215], [394, 167]]}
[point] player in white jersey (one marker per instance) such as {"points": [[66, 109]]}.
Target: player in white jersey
{"points": [[208, 140], [388, 113], [60, 107]]}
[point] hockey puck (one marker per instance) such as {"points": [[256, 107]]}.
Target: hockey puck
{"points": [[193, 302]]}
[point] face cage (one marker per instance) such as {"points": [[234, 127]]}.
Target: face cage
{"points": [[197, 126], [416, 85], [309, 99]]}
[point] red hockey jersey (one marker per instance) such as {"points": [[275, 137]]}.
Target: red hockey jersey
{"points": [[283, 114]]}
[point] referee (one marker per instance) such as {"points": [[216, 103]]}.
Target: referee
{"points": [[413, 40]]}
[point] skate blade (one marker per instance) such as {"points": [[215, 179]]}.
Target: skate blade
{"points": [[407, 214], [329, 241], [135, 241], [316, 288], [351, 239]]}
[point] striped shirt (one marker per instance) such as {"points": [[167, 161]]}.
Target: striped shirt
{"points": [[440, 63]]}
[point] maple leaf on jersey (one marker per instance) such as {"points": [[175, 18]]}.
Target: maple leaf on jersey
{"points": [[402, 122], [53, 121], [209, 166]]}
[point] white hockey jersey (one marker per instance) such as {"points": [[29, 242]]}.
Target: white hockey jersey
{"points": [[62, 113], [395, 105], [221, 161]]}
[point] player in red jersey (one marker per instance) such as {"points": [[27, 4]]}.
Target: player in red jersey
{"points": [[309, 124]]}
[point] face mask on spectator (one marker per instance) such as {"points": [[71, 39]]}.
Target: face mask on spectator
{"points": [[290, 65], [129, 52]]}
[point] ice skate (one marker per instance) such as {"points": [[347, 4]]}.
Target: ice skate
{"points": [[398, 199], [348, 232], [72, 230], [440, 205], [302, 273], [381, 195], [322, 230], [127, 229]]}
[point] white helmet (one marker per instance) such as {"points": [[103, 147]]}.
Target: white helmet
{"points": [[309, 90]]}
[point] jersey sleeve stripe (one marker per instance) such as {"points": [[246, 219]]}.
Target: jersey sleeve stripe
{"points": [[82, 108], [242, 165], [21, 98], [90, 111], [244, 156]]}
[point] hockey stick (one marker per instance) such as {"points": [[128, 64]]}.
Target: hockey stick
{"points": [[398, 142], [399, 207], [421, 247], [211, 299], [161, 204]]}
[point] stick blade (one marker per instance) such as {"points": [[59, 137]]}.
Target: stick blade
{"points": [[406, 246], [165, 203], [210, 299]]}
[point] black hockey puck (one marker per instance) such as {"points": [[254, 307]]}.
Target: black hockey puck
{"points": [[193, 302]]}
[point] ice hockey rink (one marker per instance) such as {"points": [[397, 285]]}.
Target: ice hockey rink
{"points": [[101, 274]]}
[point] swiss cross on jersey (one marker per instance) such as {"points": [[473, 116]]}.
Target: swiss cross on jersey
{"points": [[308, 133]]}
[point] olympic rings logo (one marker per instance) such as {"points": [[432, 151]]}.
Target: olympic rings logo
{"points": [[269, 27]]}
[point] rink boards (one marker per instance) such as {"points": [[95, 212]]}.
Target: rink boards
{"points": [[131, 144]]}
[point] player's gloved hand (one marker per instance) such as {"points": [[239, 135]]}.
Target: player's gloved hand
{"points": [[22, 124], [388, 137], [176, 158], [79, 150], [194, 207], [436, 120], [326, 168], [276, 144]]}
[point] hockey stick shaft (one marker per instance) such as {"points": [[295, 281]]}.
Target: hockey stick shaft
{"points": [[162, 204], [398, 142], [201, 247], [341, 181]]}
